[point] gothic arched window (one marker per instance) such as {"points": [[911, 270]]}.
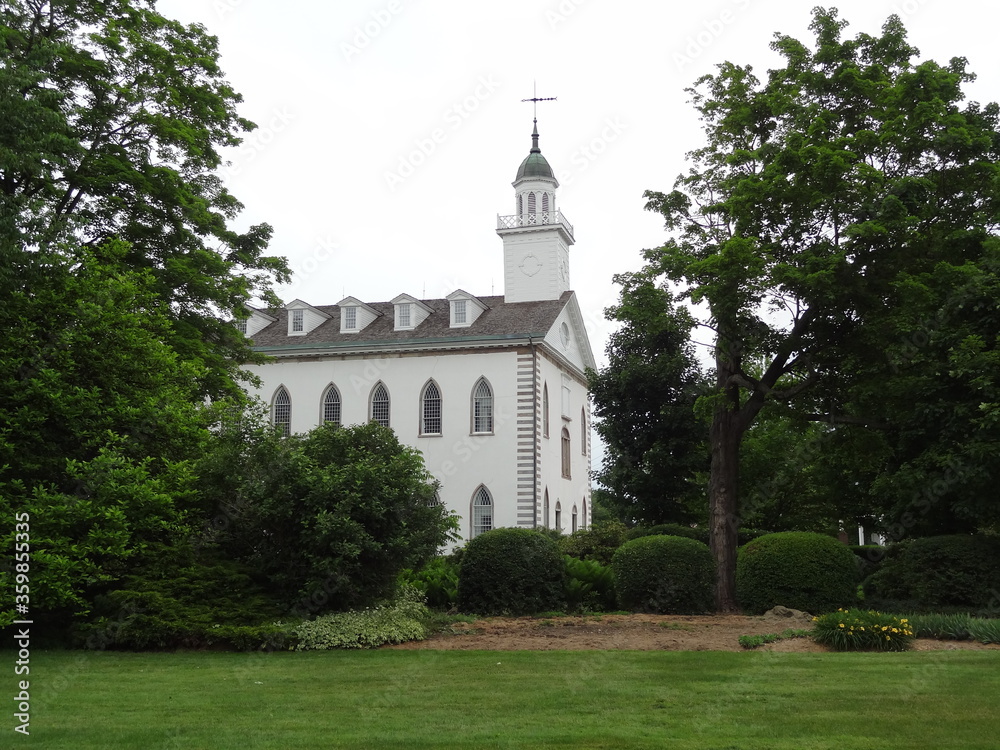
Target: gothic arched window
{"points": [[430, 409], [482, 511], [482, 407], [380, 405], [281, 411], [331, 405]]}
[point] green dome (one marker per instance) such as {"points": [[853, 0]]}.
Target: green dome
{"points": [[534, 165]]}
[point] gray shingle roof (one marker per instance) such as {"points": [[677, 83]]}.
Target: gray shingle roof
{"points": [[502, 320]]}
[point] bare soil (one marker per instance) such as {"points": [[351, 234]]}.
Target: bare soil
{"points": [[636, 632]]}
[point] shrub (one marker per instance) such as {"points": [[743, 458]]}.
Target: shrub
{"points": [[869, 557], [598, 542], [670, 529], [858, 630], [797, 569], [664, 574], [511, 571], [955, 570], [402, 619], [197, 604], [590, 586], [437, 580]]}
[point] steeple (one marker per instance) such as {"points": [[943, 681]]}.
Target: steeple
{"points": [[534, 164], [537, 237]]}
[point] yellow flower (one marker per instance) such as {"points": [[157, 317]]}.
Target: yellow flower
{"points": [[885, 628], [862, 629], [841, 624], [894, 630], [888, 638]]}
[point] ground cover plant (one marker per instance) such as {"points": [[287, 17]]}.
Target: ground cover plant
{"points": [[432, 699], [755, 641], [404, 618]]}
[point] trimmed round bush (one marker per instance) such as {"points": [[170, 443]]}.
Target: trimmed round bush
{"points": [[797, 569], [665, 575], [511, 572], [956, 570], [670, 529]]}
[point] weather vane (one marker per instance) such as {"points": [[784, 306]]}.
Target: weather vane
{"points": [[535, 99]]}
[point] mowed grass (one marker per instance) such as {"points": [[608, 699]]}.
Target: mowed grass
{"points": [[489, 699]]}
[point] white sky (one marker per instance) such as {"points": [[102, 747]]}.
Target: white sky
{"points": [[345, 93]]}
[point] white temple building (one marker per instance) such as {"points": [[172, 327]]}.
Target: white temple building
{"points": [[491, 390]]}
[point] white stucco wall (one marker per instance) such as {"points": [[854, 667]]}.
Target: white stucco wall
{"points": [[460, 460]]}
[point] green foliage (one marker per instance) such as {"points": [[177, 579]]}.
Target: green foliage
{"points": [[101, 425], [664, 574], [597, 542], [402, 619], [190, 604], [811, 228], [437, 581], [756, 641], [330, 518], [943, 571], [944, 627], [114, 121], [800, 570], [511, 571], [670, 529], [656, 448], [590, 586], [859, 630]]}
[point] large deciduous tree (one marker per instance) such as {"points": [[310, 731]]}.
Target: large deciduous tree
{"points": [[656, 451], [113, 122], [821, 191]]}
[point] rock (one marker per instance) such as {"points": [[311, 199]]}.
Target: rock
{"points": [[784, 613]]}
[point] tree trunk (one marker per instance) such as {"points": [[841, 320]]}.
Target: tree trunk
{"points": [[723, 507]]}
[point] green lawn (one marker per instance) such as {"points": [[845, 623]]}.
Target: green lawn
{"points": [[483, 699]]}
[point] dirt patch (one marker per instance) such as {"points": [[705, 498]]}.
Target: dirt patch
{"points": [[634, 633]]}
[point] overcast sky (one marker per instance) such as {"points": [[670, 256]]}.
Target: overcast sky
{"points": [[390, 131]]}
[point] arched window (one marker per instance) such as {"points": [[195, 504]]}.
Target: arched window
{"points": [[520, 205], [281, 411], [482, 407], [482, 511], [565, 453], [558, 516], [545, 509], [531, 203], [331, 405], [545, 203], [380, 405], [430, 410], [545, 410], [573, 521], [583, 431]]}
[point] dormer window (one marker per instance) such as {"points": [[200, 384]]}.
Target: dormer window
{"points": [[464, 309], [404, 315], [241, 325], [298, 321], [350, 318]]}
